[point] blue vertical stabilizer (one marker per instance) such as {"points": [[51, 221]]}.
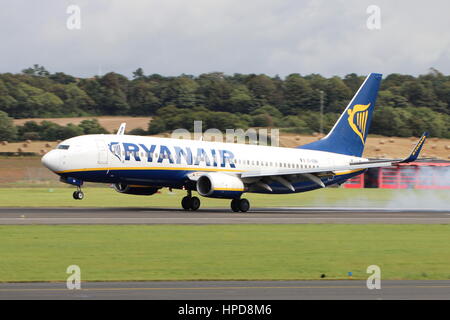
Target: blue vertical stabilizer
{"points": [[348, 136]]}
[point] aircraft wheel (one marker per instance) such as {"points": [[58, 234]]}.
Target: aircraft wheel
{"points": [[186, 203], [235, 205], [244, 205], [78, 195], [195, 203]]}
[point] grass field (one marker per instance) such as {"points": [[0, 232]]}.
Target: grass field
{"points": [[223, 252], [250, 252], [338, 197]]}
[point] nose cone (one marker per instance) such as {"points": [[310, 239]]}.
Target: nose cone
{"points": [[51, 160]]}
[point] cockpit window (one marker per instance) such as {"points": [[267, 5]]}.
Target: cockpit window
{"points": [[63, 146]]}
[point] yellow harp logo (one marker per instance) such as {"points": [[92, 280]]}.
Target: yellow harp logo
{"points": [[357, 118]]}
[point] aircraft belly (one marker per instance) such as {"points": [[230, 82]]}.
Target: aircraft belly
{"points": [[164, 178]]}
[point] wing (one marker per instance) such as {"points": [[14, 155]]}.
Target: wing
{"points": [[283, 175]]}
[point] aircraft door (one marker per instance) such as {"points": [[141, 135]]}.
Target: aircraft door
{"points": [[102, 152]]}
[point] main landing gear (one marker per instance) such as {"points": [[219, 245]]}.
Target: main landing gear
{"points": [[78, 195], [193, 203], [190, 203], [240, 205]]}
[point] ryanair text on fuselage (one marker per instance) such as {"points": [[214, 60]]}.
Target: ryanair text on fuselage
{"points": [[126, 151]]}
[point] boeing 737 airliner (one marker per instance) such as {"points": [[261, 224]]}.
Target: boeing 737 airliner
{"points": [[143, 165]]}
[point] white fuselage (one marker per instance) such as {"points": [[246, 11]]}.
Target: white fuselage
{"points": [[166, 162]]}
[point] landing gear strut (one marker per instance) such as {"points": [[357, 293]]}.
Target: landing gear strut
{"points": [[240, 205], [190, 203], [78, 195]]}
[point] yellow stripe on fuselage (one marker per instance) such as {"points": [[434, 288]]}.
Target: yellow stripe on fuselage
{"points": [[148, 168], [181, 169]]}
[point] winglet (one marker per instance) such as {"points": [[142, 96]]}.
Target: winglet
{"points": [[415, 153], [121, 130]]}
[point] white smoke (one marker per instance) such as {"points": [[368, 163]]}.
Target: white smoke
{"points": [[434, 199]]}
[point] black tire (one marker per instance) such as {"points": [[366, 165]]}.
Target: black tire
{"points": [[235, 205], [195, 203], [244, 205], [186, 203], [78, 195]]}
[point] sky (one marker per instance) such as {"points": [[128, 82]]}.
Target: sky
{"points": [[275, 37]]}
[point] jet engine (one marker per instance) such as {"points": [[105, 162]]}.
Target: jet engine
{"points": [[220, 185]]}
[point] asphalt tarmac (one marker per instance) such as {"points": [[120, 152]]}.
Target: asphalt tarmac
{"points": [[53, 216], [230, 290]]}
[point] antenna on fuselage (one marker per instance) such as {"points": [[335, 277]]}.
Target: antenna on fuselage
{"points": [[121, 130]]}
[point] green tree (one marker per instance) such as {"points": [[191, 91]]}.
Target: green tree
{"points": [[180, 92], [337, 95], [297, 94], [241, 100], [8, 130], [387, 98], [62, 78], [92, 126], [142, 99], [76, 101], [389, 121], [263, 88], [112, 98], [36, 70], [138, 74], [353, 81]]}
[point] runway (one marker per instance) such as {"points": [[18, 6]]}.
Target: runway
{"points": [[120, 216], [231, 290]]}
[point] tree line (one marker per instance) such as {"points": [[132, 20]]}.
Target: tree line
{"points": [[406, 105], [46, 130]]}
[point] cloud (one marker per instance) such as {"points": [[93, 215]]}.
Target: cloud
{"points": [[171, 37]]}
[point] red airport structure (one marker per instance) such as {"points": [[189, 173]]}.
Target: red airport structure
{"points": [[415, 175]]}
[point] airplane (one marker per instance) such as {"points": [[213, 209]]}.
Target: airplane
{"points": [[141, 165]]}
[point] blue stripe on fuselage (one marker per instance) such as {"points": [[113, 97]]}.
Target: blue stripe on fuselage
{"points": [[178, 179]]}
